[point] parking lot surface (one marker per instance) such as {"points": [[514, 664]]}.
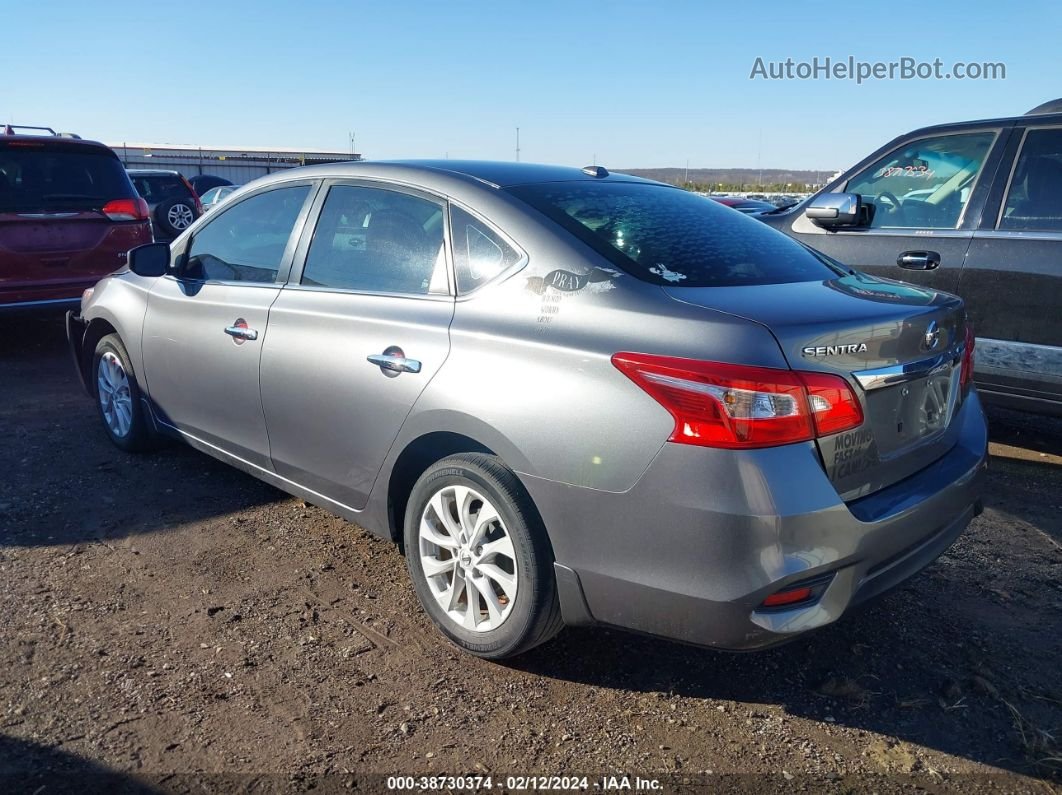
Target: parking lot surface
{"points": [[166, 618]]}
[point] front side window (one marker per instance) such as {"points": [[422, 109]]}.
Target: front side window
{"points": [[924, 184], [377, 240], [1034, 202], [480, 253], [246, 242], [669, 236]]}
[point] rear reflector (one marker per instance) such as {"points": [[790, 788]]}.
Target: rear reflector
{"points": [[789, 597], [732, 406], [127, 210]]}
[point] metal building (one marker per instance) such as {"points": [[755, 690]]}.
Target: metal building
{"points": [[237, 165]]}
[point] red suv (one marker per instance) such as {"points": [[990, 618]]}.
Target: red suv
{"points": [[68, 216]]}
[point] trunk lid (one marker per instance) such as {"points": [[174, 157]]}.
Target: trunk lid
{"points": [[899, 346]]}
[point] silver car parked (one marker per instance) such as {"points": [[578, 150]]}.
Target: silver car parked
{"points": [[574, 397]]}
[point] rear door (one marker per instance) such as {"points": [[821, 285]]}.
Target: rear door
{"points": [[206, 324], [1012, 281], [54, 238], [356, 335], [925, 198]]}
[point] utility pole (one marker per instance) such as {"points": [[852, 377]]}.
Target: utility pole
{"points": [[353, 150], [687, 171], [517, 144]]}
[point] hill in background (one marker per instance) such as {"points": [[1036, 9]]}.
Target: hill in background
{"points": [[735, 178]]}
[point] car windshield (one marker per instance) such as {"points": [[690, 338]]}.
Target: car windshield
{"points": [[41, 178], [669, 236]]}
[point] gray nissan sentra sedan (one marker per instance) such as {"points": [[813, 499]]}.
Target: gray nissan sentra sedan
{"points": [[573, 397]]}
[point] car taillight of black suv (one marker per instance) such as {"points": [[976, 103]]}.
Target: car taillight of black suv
{"points": [[68, 217]]}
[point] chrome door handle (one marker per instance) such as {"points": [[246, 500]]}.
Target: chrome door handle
{"points": [[918, 260], [242, 332], [394, 363]]}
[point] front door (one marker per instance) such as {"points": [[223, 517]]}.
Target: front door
{"points": [[355, 337], [206, 323], [921, 198]]}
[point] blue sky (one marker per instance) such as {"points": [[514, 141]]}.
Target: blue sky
{"points": [[632, 83]]}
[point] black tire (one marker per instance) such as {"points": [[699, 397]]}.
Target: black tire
{"points": [[139, 436], [534, 616], [183, 208]]}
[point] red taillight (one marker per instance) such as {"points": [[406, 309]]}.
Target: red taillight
{"points": [[127, 210], [966, 374], [729, 405], [834, 406], [195, 196]]}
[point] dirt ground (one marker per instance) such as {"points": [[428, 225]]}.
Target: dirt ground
{"points": [[168, 622]]}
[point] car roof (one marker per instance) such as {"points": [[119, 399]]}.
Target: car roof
{"points": [[435, 173], [1038, 119], [55, 141]]}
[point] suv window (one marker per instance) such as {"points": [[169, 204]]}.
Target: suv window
{"points": [[246, 241], [40, 177], [156, 189], [924, 184], [669, 236], [377, 240], [1034, 203], [480, 253]]}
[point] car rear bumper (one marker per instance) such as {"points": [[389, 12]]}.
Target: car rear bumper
{"points": [[42, 305], [691, 552]]}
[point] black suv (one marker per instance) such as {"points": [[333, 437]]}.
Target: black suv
{"points": [[973, 208], [173, 202]]}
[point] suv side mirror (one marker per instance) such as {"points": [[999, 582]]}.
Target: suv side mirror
{"points": [[830, 210], [152, 259]]}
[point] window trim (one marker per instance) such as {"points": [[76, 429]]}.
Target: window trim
{"points": [[184, 243], [521, 262], [1010, 184], [302, 249], [960, 224]]}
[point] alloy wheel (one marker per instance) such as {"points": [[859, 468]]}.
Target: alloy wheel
{"points": [[468, 558], [116, 401]]}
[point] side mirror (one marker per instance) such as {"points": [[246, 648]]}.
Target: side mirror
{"points": [[152, 259], [835, 209]]}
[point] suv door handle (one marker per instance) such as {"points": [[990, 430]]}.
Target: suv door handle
{"points": [[394, 363], [919, 260]]}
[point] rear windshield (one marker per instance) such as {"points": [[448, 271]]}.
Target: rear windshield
{"points": [[670, 236], [44, 178], [160, 187]]}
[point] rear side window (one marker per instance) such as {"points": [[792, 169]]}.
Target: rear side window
{"points": [[480, 253], [379, 241], [42, 178], [1034, 203], [670, 236], [246, 242]]}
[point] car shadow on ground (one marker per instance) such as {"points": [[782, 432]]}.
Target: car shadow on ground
{"points": [[99, 493], [962, 658], [28, 767]]}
